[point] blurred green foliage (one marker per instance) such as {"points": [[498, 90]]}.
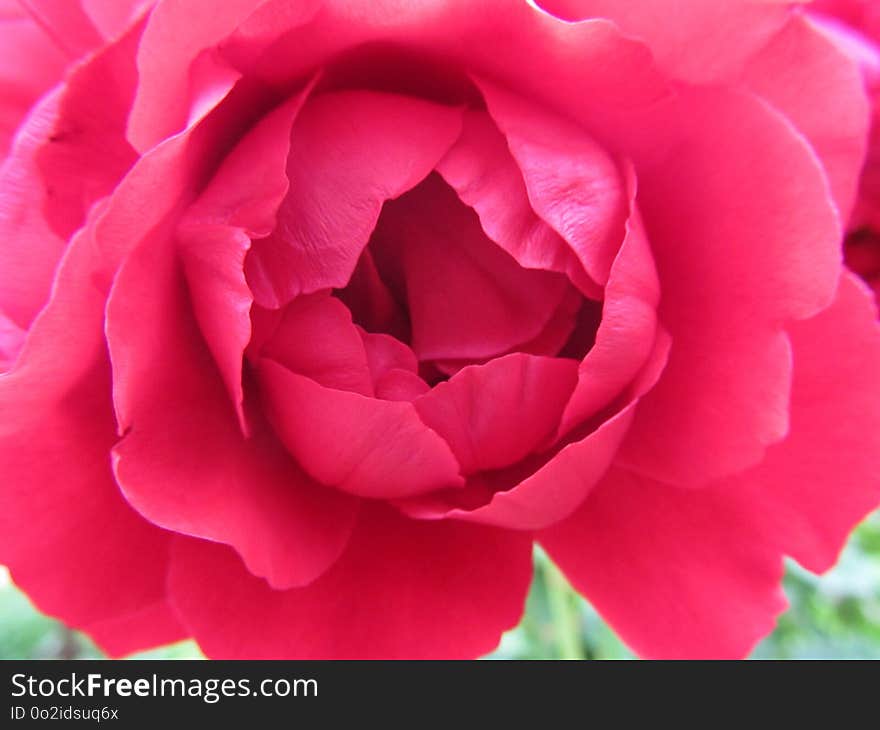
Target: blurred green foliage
{"points": [[833, 616]]}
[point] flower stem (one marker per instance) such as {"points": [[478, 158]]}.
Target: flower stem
{"points": [[563, 614]]}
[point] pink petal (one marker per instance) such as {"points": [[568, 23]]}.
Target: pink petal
{"points": [[800, 65], [481, 170], [30, 64], [65, 23], [11, 341], [805, 501], [468, 298], [361, 445], [386, 353], [398, 384], [699, 42], [572, 182], [183, 462], [495, 414], [731, 276], [111, 17], [86, 153], [677, 573], [29, 249], [176, 37], [573, 67], [372, 304], [69, 538], [240, 203], [404, 589], [315, 337], [69, 153], [545, 488], [627, 330], [350, 152], [654, 558]]}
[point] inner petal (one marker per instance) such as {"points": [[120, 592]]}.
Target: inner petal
{"points": [[460, 296]]}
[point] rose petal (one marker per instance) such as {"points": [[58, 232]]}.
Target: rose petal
{"points": [[484, 174], [806, 503], [800, 65], [73, 544], [468, 298], [372, 304], [350, 152], [245, 492], [654, 559], [29, 249], [315, 337], [628, 327], [30, 64], [240, 203], [731, 276], [495, 414], [180, 75], [368, 447], [65, 23], [111, 17], [572, 182], [386, 353], [86, 153], [697, 42], [404, 589], [546, 489], [11, 341]]}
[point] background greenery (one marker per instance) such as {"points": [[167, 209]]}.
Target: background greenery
{"points": [[833, 616]]}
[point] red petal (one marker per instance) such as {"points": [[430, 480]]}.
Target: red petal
{"points": [[403, 589], [350, 152], [369, 447], [654, 559]]}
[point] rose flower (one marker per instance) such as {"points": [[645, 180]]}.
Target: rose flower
{"points": [[319, 314]]}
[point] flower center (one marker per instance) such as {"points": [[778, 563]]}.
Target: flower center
{"points": [[431, 278]]}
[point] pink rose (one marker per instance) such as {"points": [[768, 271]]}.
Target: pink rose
{"points": [[333, 308]]}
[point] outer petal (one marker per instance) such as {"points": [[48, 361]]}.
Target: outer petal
{"points": [[246, 493], [350, 152], [654, 559], [698, 42], [797, 67], [29, 249], [64, 351], [806, 503], [69, 153], [86, 153], [30, 64], [215, 235], [181, 74], [403, 589], [70, 539], [730, 276]]}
